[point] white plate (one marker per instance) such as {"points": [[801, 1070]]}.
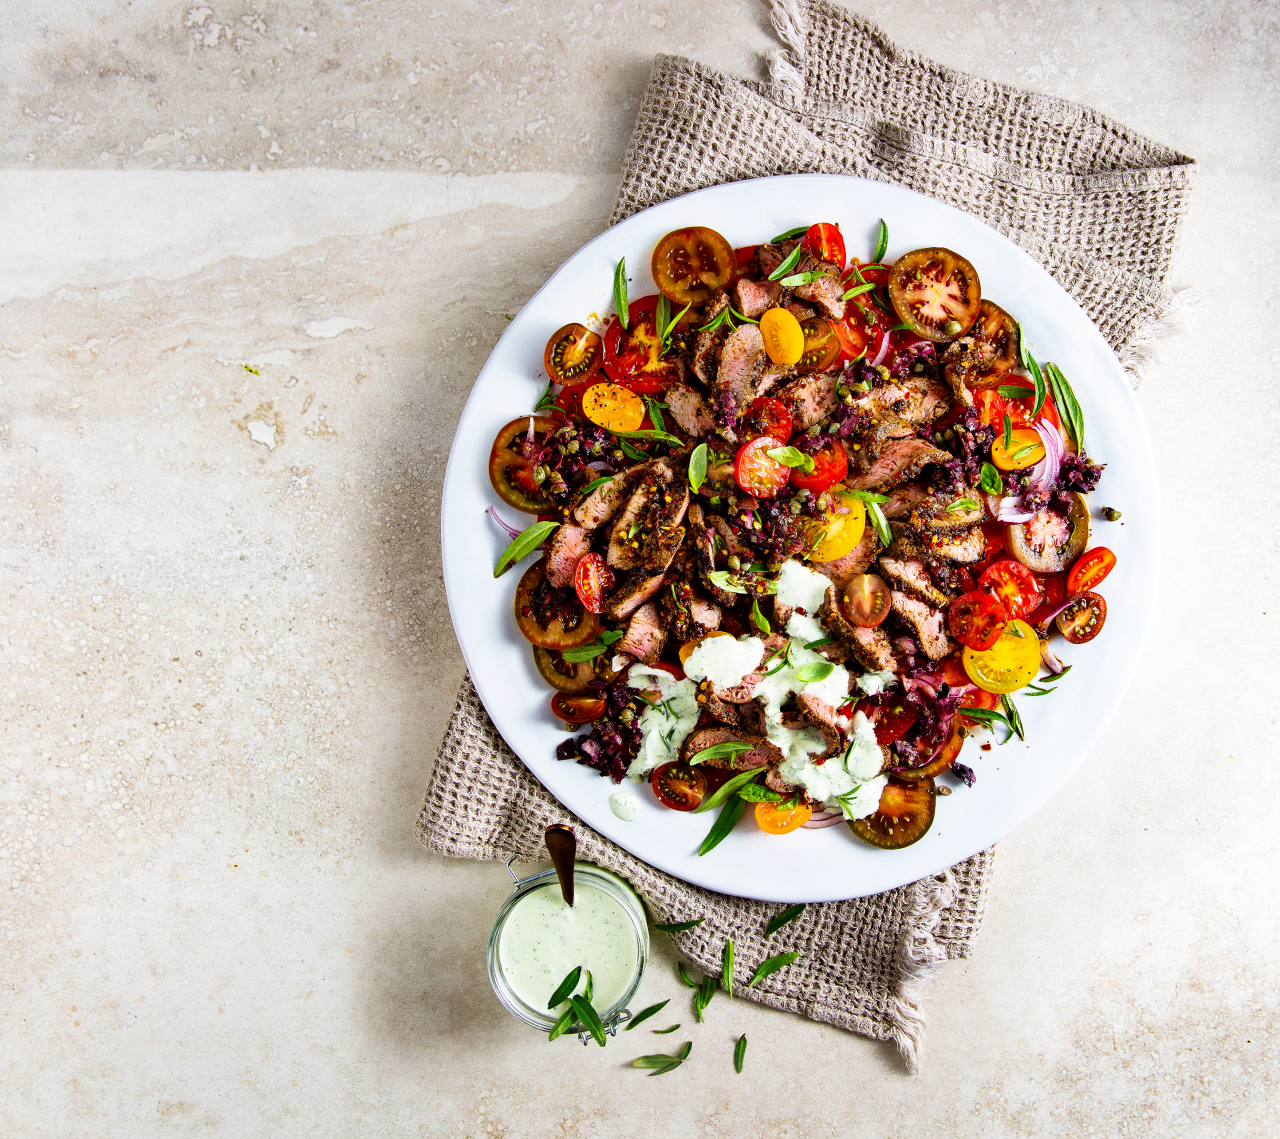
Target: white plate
{"points": [[1013, 781]]}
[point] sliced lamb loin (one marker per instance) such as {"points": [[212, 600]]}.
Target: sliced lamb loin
{"points": [[823, 717], [719, 710], [856, 561], [706, 345], [809, 399], [636, 586], [965, 547], [882, 432], [751, 718], [825, 292], [645, 635], [608, 498], [624, 542], [926, 400], [911, 576], [777, 784], [903, 498], [702, 531], [900, 460], [569, 544], [768, 258], [762, 753], [927, 622], [742, 362], [689, 410], [755, 298], [942, 512], [685, 612], [870, 646]]}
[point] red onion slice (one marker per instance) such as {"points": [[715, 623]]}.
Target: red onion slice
{"points": [[512, 532], [1053, 452], [1011, 510], [820, 819], [883, 350]]}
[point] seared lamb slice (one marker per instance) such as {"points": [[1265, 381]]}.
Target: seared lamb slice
{"points": [[776, 783], [825, 292], [686, 613], [706, 345], [702, 532], [882, 432], [965, 547], [946, 511], [926, 400], [856, 561], [706, 614], [751, 717], [768, 258], [689, 410], [774, 374], [636, 586], [809, 399], [823, 717], [902, 459], [569, 544], [903, 498], [870, 646], [958, 377], [742, 362], [729, 540], [628, 532], [720, 710], [607, 499], [645, 635], [927, 622], [912, 576], [755, 298], [762, 753]]}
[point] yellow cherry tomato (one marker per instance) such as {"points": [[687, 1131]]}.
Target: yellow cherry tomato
{"points": [[1011, 663], [783, 339], [838, 531], [777, 818], [1024, 450], [613, 407]]}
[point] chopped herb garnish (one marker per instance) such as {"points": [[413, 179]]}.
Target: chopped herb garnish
{"points": [[882, 242], [799, 231], [788, 263], [857, 290], [1023, 452], [989, 480], [522, 545], [788, 915], [620, 293], [679, 926], [546, 399], [655, 414], [865, 495], [631, 452], [881, 524], [772, 965], [818, 643], [739, 1053], [795, 280], [660, 436], [645, 1014]]}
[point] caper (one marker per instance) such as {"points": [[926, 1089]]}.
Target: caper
{"points": [[734, 563], [540, 474], [1111, 514], [951, 328]]}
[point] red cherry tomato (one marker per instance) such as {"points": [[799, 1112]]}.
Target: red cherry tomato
{"points": [[952, 669], [633, 356], [825, 243], [1055, 593], [672, 670], [678, 786], [757, 474], [590, 580], [570, 397], [830, 465], [1083, 618], [746, 262], [891, 720], [978, 698], [976, 620], [1090, 569], [1017, 588], [766, 416], [577, 709]]}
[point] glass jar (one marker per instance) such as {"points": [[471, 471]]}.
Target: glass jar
{"points": [[536, 941]]}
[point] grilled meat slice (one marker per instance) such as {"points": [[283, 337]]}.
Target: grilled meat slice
{"points": [[965, 547], [941, 513], [702, 531], [656, 508], [569, 544], [706, 345], [809, 399], [916, 400], [883, 431], [636, 586], [628, 531], [755, 298], [927, 622], [719, 710], [608, 498], [762, 753], [685, 612], [870, 646], [823, 717], [646, 634], [856, 561], [742, 363], [825, 292], [900, 460], [775, 782], [751, 718], [768, 258], [689, 410], [903, 498], [911, 576]]}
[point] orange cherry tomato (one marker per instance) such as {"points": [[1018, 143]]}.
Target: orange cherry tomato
{"points": [[822, 347], [678, 786], [758, 474], [867, 600], [825, 242], [613, 407], [1017, 588], [1090, 569], [1025, 449], [830, 465], [686, 650], [778, 818]]}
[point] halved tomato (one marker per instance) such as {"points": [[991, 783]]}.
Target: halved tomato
{"points": [[822, 347], [994, 547], [1011, 663], [839, 530], [778, 818], [569, 398], [945, 757], [825, 242], [976, 620], [1025, 449], [830, 465], [686, 650], [562, 675], [892, 720], [783, 337], [756, 472], [997, 332], [551, 618], [1016, 587], [1083, 618], [590, 579], [867, 600], [937, 292], [678, 786], [572, 354], [904, 815], [511, 467], [690, 264], [633, 355], [577, 709], [766, 416], [1055, 593], [1049, 543], [672, 670], [952, 670], [1090, 569], [613, 407]]}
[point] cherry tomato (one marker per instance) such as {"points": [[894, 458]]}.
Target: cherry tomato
{"points": [[1010, 664], [867, 600], [993, 407], [573, 353], [853, 341], [569, 399], [511, 470], [1055, 593], [766, 416], [1017, 588], [830, 465], [758, 474], [952, 670], [996, 330], [783, 338], [1025, 449], [563, 675], [937, 292], [822, 347], [893, 719], [976, 620], [778, 818], [590, 580], [1083, 618], [678, 786], [672, 670], [690, 264], [745, 261], [633, 356], [686, 650], [839, 530], [569, 625], [1090, 569], [577, 709], [978, 698], [825, 242], [613, 407], [904, 815]]}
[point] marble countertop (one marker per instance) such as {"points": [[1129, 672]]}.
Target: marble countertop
{"points": [[253, 260]]}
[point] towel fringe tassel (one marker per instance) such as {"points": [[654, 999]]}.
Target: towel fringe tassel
{"points": [[1145, 350], [786, 66], [919, 958]]}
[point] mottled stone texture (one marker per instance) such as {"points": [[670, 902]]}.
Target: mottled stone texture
{"points": [[225, 656]]}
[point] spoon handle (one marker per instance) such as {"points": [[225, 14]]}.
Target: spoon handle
{"points": [[562, 845]]}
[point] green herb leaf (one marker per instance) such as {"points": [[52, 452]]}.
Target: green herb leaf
{"points": [[522, 545], [698, 467], [546, 399], [1015, 391], [759, 793], [758, 619], [788, 263], [679, 926], [726, 967], [716, 321], [620, 293], [589, 1018], [739, 1053], [594, 483], [661, 315], [660, 436], [799, 231], [1038, 379], [740, 316], [655, 414], [857, 290], [961, 504], [645, 1014], [706, 991], [771, 966], [788, 915], [684, 1052], [659, 1064], [732, 583], [728, 818], [726, 789], [865, 495], [791, 457], [1008, 432], [664, 1031], [883, 306], [795, 280], [561, 1026], [588, 988], [1068, 406], [631, 452], [881, 523], [565, 987], [817, 670], [1024, 353], [905, 326], [818, 643], [725, 750], [882, 242], [593, 650], [989, 480], [685, 976], [1015, 720], [1023, 452]]}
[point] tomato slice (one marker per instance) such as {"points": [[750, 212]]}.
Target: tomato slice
{"points": [[755, 472], [766, 416], [690, 264], [904, 815], [686, 650], [1025, 449], [783, 337], [822, 347], [839, 530], [978, 698], [1055, 593], [678, 786], [563, 675], [633, 356], [567, 624], [830, 465], [893, 719], [867, 600], [613, 407], [997, 331], [745, 258], [672, 670], [577, 709], [778, 818], [825, 242], [1090, 569], [591, 578], [945, 757], [993, 407], [952, 670], [1010, 664], [1017, 588], [511, 466], [1083, 618], [976, 620], [572, 354], [937, 292]]}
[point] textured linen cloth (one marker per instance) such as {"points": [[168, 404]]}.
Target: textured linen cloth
{"points": [[1099, 206]]}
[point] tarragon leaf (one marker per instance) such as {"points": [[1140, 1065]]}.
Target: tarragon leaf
{"points": [[706, 991], [725, 790], [679, 926], [620, 292], [788, 915], [771, 966], [725, 822], [882, 242], [645, 1014], [789, 263], [799, 231], [522, 545], [565, 987], [726, 967], [739, 1053], [725, 750], [589, 1017]]}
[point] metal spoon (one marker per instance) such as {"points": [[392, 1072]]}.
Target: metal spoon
{"points": [[562, 845]]}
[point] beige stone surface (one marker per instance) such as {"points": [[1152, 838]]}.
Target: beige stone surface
{"points": [[225, 654]]}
